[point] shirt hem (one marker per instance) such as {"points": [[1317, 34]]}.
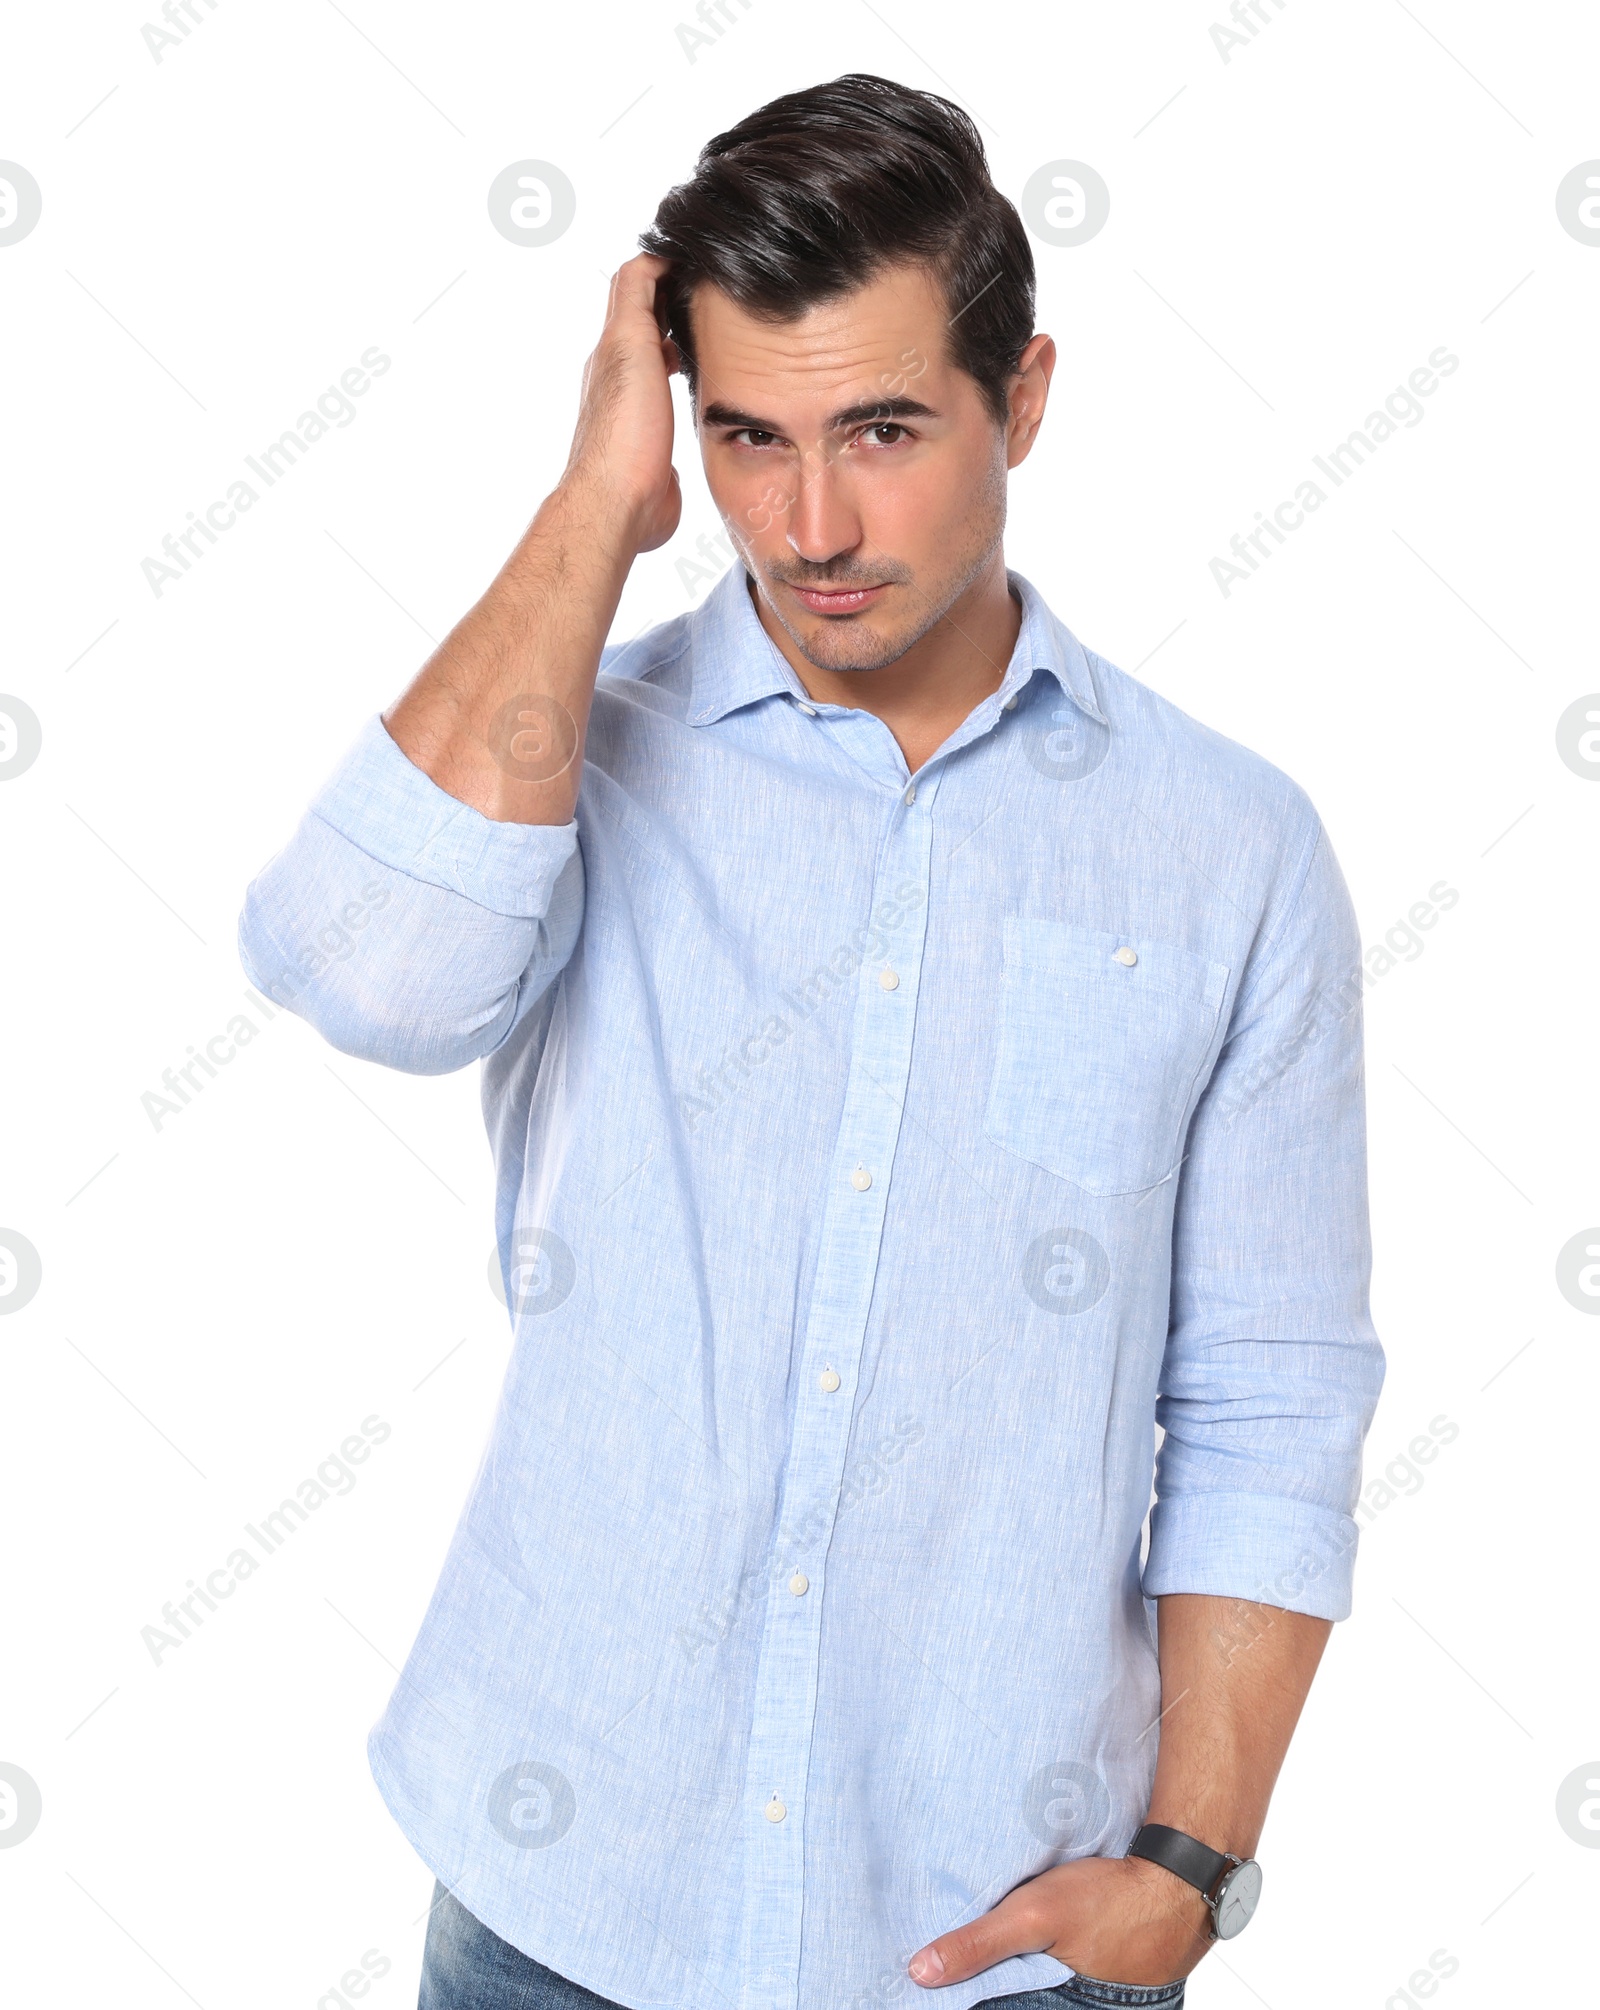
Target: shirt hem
{"points": [[561, 1954]]}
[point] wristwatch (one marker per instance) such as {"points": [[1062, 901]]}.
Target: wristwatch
{"points": [[1230, 1885]]}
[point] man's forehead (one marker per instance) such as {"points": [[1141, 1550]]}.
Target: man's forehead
{"points": [[889, 328]]}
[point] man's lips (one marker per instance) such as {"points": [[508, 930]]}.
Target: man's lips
{"points": [[837, 599]]}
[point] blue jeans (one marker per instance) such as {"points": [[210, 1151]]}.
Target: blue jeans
{"points": [[466, 1967]]}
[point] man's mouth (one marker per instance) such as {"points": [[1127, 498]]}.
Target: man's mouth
{"points": [[837, 599]]}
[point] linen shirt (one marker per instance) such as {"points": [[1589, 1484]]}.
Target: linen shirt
{"points": [[884, 1164]]}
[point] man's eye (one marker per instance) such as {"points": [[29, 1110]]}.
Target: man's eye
{"points": [[876, 433], [753, 436]]}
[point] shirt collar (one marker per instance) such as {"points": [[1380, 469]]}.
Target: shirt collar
{"points": [[735, 662]]}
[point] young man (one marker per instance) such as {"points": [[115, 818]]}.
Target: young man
{"points": [[920, 1061]]}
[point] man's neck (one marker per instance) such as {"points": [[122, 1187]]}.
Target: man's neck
{"points": [[923, 696]]}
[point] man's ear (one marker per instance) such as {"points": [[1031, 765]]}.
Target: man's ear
{"points": [[1026, 398], [671, 350], [661, 301]]}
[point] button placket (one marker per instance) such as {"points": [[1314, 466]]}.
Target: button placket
{"points": [[784, 1702]]}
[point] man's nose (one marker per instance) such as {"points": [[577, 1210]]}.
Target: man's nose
{"points": [[823, 520]]}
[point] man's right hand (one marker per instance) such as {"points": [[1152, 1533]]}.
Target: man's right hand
{"points": [[622, 448]]}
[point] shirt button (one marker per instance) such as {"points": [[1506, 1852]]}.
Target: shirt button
{"points": [[828, 1381], [1128, 957], [809, 710], [799, 1584], [861, 1179], [775, 1810], [911, 792], [889, 979], [1011, 703]]}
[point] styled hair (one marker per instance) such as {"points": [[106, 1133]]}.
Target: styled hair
{"points": [[820, 191]]}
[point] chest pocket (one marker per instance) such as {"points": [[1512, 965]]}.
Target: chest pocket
{"points": [[1102, 1039]]}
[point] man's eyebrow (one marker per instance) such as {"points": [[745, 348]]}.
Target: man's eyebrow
{"points": [[873, 411]]}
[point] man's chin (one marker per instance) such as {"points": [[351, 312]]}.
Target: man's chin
{"points": [[842, 643], [846, 643]]}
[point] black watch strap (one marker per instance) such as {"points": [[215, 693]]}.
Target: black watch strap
{"points": [[1181, 1854]]}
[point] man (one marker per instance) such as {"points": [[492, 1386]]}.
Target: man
{"points": [[920, 1061]]}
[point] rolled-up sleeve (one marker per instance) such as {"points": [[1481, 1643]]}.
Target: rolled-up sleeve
{"points": [[404, 925], [1272, 1367]]}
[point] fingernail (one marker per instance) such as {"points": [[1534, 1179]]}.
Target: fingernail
{"points": [[927, 1966]]}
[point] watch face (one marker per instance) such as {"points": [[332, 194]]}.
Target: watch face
{"points": [[1237, 1898]]}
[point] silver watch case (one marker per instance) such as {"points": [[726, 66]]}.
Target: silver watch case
{"points": [[1235, 1898]]}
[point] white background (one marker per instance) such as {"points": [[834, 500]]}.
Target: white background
{"points": [[1292, 232]]}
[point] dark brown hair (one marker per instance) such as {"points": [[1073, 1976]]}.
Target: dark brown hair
{"points": [[818, 192]]}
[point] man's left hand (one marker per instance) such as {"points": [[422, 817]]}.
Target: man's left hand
{"points": [[1117, 1919]]}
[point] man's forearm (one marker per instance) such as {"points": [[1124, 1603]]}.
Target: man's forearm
{"points": [[1234, 1678], [537, 632], [498, 714]]}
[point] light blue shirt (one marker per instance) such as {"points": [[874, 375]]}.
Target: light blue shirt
{"points": [[879, 1165]]}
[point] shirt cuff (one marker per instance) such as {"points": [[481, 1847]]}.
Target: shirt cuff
{"points": [[1262, 1547], [385, 804]]}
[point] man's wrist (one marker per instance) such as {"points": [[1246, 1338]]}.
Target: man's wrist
{"points": [[1228, 1884], [1174, 1895], [1224, 1829], [595, 507]]}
